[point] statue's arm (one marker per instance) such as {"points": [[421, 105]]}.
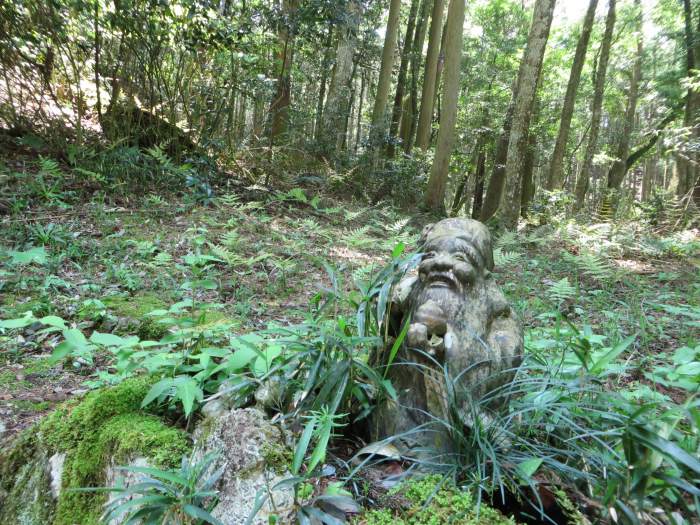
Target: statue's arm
{"points": [[399, 304], [505, 335]]}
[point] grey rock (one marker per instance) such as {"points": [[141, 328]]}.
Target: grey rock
{"points": [[245, 441]]}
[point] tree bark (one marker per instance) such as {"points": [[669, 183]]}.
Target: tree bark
{"points": [[408, 118], [325, 67], [437, 184], [279, 107], [528, 78], [401, 81], [619, 167], [528, 175], [555, 176], [688, 161], [583, 180], [495, 188], [479, 184], [379, 116], [332, 134], [425, 117]]}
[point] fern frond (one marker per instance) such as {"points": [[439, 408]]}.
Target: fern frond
{"points": [[508, 238], [501, 258], [162, 259], [561, 290]]}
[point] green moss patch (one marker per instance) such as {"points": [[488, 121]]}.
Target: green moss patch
{"points": [[430, 501], [136, 306], [107, 426]]}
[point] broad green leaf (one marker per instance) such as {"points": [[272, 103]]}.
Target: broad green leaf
{"points": [[53, 320], [34, 255], [689, 369], [684, 355], [20, 322], [262, 364], [528, 467], [157, 390], [303, 445], [188, 391], [601, 364], [112, 340], [201, 514]]}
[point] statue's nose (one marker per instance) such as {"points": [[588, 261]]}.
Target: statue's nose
{"points": [[437, 263]]}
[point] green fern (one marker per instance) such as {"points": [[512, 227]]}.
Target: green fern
{"points": [[49, 167], [357, 238], [591, 265], [501, 258], [561, 290], [228, 200], [231, 239], [162, 259], [507, 239]]}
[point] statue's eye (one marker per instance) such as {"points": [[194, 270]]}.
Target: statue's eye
{"points": [[461, 257], [428, 255]]}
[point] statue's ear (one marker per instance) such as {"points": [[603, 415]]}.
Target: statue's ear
{"points": [[426, 231]]}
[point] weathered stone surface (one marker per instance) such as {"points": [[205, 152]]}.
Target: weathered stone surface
{"points": [[247, 443], [460, 322]]}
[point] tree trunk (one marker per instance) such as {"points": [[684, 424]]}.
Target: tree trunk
{"points": [[325, 68], [379, 116], [435, 191], [688, 161], [360, 103], [331, 136], [401, 81], [279, 107], [528, 173], [528, 78], [495, 188], [425, 117], [479, 184], [555, 177], [619, 167], [583, 180], [408, 118]]}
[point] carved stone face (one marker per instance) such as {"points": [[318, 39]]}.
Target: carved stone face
{"points": [[449, 262], [457, 252]]}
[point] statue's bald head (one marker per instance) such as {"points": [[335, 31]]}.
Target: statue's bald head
{"points": [[469, 230]]}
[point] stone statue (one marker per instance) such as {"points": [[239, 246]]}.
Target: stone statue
{"points": [[461, 331]]}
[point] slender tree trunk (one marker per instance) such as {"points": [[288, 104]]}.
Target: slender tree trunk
{"points": [[401, 81], [619, 166], [358, 135], [528, 174], [528, 78], [343, 140], [338, 104], [479, 184], [555, 177], [437, 184], [325, 68], [408, 118], [583, 180], [495, 188], [379, 113], [279, 108], [425, 117], [688, 168]]}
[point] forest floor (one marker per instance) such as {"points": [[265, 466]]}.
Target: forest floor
{"points": [[105, 267]]}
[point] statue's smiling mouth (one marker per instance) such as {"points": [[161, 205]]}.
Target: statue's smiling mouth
{"points": [[442, 280]]}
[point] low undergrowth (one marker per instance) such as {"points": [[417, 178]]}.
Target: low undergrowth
{"points": [[605, 407]]}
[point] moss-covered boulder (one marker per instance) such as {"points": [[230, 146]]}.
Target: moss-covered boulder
{"points": [[74, 447]]}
